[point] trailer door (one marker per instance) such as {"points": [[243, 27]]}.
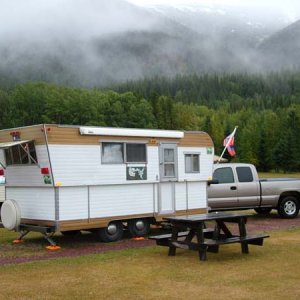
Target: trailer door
{"points": [[168, 176]]}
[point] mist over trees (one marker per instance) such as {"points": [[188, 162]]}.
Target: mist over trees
{"points": [[266, 109], [92, 43]]}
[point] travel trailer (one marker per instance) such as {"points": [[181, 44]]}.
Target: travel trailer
{"points": [[70, 178]]}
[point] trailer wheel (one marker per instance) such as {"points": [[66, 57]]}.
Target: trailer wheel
{"points": [[139, 227], [113, 232], [263, 210], [288, 207]]}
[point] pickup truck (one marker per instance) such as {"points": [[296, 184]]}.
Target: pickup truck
{"points": [[237, 186]]}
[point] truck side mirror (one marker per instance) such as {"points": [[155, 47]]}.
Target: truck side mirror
{"points": [[212, 181]]}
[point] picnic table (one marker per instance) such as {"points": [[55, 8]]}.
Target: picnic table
{"points": [[190, 232]]}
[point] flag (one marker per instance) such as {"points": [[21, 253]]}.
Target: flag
{"points": [[229, 143]]}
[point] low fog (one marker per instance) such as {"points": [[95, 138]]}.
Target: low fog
{"points": [[96, 43]]}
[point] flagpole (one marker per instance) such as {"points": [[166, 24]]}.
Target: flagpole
{"points": [[228, 142]]}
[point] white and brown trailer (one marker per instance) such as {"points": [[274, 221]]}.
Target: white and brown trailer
{"points": [[70, 178]]}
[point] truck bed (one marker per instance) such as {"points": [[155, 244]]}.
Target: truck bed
{"points": [[279, 179]]}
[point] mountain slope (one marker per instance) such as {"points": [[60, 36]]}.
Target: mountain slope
{"points": [[282, 50]]}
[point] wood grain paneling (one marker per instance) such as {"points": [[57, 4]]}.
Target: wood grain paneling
{"points": [[96, 222], [26, 133], [45, 223], [69, 135], [196, 139]]}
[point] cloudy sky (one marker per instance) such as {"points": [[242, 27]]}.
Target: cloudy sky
{"points": [[280, 3]]}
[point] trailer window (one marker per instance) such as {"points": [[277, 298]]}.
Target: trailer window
{"points": [[112, 153], [119, 153], [169, 163], [244, 174], [224, 175], [22, 154], [192, 163], [135, 153]]}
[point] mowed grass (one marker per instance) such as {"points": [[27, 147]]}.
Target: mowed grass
{"points": [[268, 272]]}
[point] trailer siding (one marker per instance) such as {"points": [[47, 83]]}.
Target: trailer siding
{"points": [[206, 162], [81, 165], [197, 196], [2, 193], [73, 203], [121, 200], [35, 203]]}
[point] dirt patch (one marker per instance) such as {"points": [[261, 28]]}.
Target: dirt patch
{"points": [[270, 222], [33, 249]]}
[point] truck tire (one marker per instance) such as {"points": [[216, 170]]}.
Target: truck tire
{"points": [[288, 207], [113, 232], [138, 227], [263, 210]]}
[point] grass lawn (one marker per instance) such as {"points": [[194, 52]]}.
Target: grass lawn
{"points": [[268, 272], [278, 175]]}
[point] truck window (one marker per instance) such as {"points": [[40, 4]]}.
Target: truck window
{"points": [[224, 175], [244, 174]]}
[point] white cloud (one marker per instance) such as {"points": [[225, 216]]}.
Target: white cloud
{"points": [[257, 3]]}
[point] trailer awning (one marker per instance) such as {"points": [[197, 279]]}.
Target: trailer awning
{"points": [[14, 143], [131, 132]]}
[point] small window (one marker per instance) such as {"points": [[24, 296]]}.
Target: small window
{"points": [[224, 175], [135, 153], [112, 153], [169, 162], [244, 174], [22, 154], [192, 163]]}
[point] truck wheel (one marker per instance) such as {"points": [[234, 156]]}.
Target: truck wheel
{"points": [[139, 227], [288, 207], [263, 210], [113, 232]]}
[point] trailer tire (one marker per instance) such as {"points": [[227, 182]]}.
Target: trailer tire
{"points": [[113, 232], [138, 227], [288, 207], [263, 210]]}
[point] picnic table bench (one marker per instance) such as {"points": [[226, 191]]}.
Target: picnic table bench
{"points": [[186, 228]]}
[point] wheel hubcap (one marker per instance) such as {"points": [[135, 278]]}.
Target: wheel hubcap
{"points": [[112, 229], [290, 207], [139, 225]]}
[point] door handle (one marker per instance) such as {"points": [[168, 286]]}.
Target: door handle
{"points": [[233, 188]]}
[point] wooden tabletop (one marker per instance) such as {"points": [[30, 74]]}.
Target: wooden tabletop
{"points": [[206, 217]]}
